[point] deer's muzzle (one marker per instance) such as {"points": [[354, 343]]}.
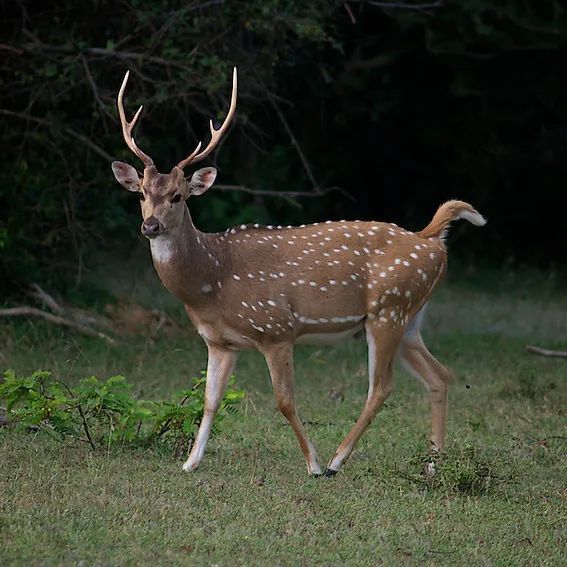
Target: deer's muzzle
{"points": [[151, 227]]}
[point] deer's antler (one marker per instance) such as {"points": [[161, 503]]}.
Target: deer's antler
{"points": [[216, 135], [128, 126]]}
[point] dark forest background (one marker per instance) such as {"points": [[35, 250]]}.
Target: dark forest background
{"points": [[356, 109]]}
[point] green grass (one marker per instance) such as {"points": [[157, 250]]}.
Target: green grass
{"points": [[498, 497]]}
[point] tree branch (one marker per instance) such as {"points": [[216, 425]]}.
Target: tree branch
{"points": [[95, 89], [69, 131], [26, 311], [546, 352], [37, 292], [295, 143], [38, 47], [281, 194], [403, 5]]}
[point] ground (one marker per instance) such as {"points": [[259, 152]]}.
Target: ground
{"points": [[498, 497]]}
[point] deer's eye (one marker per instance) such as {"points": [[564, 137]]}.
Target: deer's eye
{"points": [[176, 198], [141, 196]]}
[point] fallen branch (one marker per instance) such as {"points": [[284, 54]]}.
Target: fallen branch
{"points": [[26, 311], [37, 292], [546, 352]]}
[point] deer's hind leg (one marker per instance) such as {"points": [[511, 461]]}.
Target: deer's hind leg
{"points": [[422, 364], [382, 344]]}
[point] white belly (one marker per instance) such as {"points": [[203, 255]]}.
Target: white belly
{"points": [[329, 338]]}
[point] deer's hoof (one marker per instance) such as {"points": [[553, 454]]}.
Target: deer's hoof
{"points": [[329, 472]]}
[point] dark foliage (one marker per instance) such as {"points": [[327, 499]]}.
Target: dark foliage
{"points": [[402, 107]]}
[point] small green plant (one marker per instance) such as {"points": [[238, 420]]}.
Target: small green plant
{"points": [[104, 413], [454, 473]]}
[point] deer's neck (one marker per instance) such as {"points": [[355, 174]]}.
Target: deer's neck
{"points": [[187, 262]]}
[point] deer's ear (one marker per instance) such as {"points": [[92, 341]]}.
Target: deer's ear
{"points": [[126, 175], [201, 180]]}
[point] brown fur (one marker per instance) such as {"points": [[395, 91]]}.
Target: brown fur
{"points": [[270, 287]]}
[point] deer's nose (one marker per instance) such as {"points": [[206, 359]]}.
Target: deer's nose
{"points": [[151, 227]]}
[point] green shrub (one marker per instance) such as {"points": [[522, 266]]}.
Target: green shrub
{"points": [[104, 413]]}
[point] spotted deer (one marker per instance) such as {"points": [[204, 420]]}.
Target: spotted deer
{"points": [[271, 287]]}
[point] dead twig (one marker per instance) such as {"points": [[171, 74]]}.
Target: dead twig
{"points": [[26, 311], [546, 352]]}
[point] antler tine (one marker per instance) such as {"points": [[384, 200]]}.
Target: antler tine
{"points": [[190, 157], [127, 127], [216, 135]]}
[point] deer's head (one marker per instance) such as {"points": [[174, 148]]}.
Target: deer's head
{"points": [[163, 196]]}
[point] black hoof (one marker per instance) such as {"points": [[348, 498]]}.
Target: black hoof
{"points": [[316, 475], [329, 473]]}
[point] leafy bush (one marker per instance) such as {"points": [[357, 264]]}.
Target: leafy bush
{"points": [[104, 413]]}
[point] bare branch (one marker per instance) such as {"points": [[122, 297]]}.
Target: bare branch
{"points": [[177, 16], [26, 311], [349, 12], [546, 352], [70, 132], [403, 5], [281, 194], [38, 47], [39, 293], [295, 143], [6, 47], [94, 88]]}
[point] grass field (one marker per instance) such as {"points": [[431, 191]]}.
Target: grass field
{"points": [[498, 497]]}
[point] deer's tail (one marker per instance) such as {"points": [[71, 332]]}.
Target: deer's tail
{"points": [[446, 214]]}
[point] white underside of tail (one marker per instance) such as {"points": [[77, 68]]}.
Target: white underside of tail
{"points": [[474, 218]]}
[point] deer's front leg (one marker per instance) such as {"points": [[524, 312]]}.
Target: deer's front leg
{"points": [[280, 363], [219, 368]]}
